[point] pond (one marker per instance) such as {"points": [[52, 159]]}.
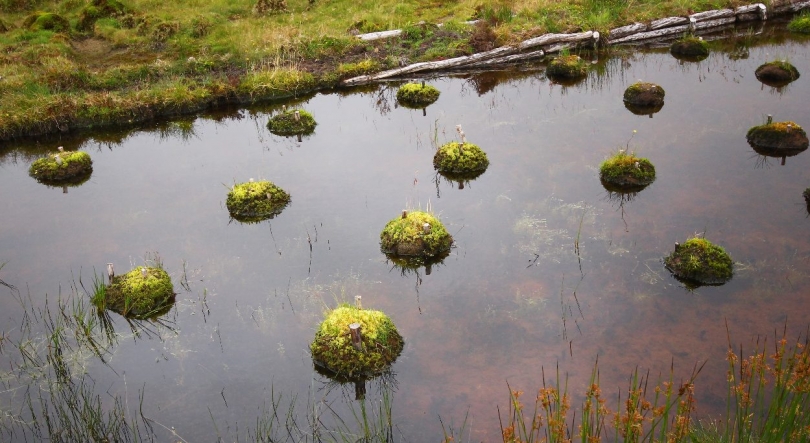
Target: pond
{"points": [[549, 270]]}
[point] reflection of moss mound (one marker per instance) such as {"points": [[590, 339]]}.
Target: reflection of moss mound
{"points": [[75, 165], [46, 21], [800, 24], [806, 195], [778, 138], [411, 263], [256, 201], [567, 67], [407, 236], [690, 47], [645, 95], [333, 349], [625, 170], [699, 261], [98, 9], [777, 73], [464, 158], [135, 296], [285, 123], [416, 95], [644, 110]]}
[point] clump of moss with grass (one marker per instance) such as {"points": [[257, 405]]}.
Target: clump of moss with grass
{"points": [[46, 21], [690, 46], [332, 347], [292, 122], [800, 24], [62, 166], [567, 67], [784, 136], [142, 293], [417, 95], [777, 73], [99, 9], [415, 233], [625, 169], [644, 95], [698, 260], [256, 201], [460, 158]]}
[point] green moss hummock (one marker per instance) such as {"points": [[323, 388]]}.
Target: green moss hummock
{"points": [[777, 73], [333, 349], [690, 47], [644, 95], [700, 261], [624, 169], [567, 67], [800, 24], [417, 95], [98, 9], [46, 21], [778, 138], [143, 293], [286, 124], [64, 166], [415, 233], [253, 202], [460, 158]]}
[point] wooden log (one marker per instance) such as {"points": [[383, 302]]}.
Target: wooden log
{"points": [[357, 336], [788, 7], [380, 35], [712, 15], [508, 59], [548, 39], [358, 301], [748, 17], [668, 22], [624, 31], [651, 34], [708, 24], [757, 8]]}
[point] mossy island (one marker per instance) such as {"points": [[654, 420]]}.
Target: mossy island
{"points": [[699, 262], [417, 95], [379, 346], [46, 21], [800, 24], [777, 73], [64, 167], [644, 98], [625, 172], [415, 234], [256, 201], [567, 67], [690, 48], [777, 139], [142, 293], [292, 122], [462, 160]]}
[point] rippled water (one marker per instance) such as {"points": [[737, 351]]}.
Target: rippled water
{"points": [[513, 297]]}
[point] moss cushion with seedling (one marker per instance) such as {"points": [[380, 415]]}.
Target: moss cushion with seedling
{"points": [[64, 166], [333, 349], [462, 158], [624, 170], [699, 261], [644, 95], [690, 48], [253, 202], [46, 21], [800, 24], [415, 233], [417, 95], [777, 73], [143, 293], [292, 122], [778, 138], [567, 67]]}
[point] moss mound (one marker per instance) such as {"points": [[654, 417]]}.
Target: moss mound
{"points": [[777, 73], [800, 24], [286, 124], [3, 27], [333, 349], [253, 202], [46, 21], [99, 9], [778, 138], [690, 47], [416, 95], [626, 171], [144, 292], [699, 261], [460, 158], [408, 236], [567, 67], [644, 95], [63, 166]]}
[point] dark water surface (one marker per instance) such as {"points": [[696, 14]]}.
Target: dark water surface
{"points": [[511, 298]]}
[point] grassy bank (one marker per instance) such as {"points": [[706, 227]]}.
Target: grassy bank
{"points": [[77, 64]]}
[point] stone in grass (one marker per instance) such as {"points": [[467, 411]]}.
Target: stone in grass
{"points": [[800, 24], [67, 166], [142, 293], [690, 48], [567, 67], [415, 233], [253, 202], [416, 95], [460, 159], [625, 171], [287, 123], [644, 95], [777, 73], [332, 347], [46, 21], [778, 139], [699, 262]]}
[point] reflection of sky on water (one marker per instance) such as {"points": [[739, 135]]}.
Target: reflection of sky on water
{"points": [[513, 295]]}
